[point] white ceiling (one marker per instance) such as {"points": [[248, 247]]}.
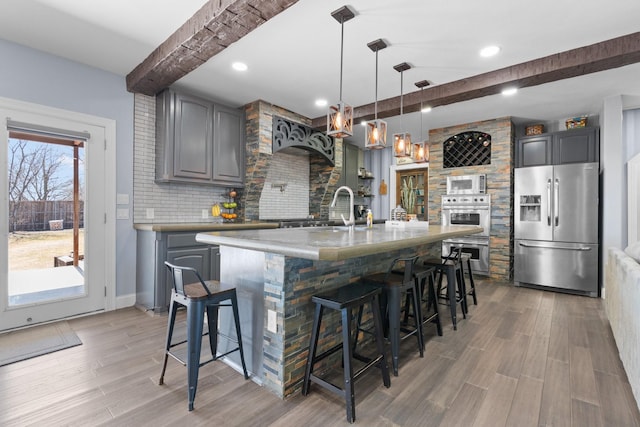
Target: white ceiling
{"points": [[295, 58]]}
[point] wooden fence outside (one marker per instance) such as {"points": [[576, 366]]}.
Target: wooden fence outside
{"points": [[35, 215]]}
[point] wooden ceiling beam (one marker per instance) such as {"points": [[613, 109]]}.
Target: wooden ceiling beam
{"points": [[601, 56], [210, 30]]}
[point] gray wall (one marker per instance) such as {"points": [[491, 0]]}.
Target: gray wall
{"points": [[40, 78]]}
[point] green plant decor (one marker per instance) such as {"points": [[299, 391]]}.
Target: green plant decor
{"points": [[408, 195]]}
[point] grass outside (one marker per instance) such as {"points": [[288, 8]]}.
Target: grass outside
{"points": [[36, 249]]}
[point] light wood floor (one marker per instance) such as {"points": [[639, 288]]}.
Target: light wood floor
{"points": [[523, 357]]}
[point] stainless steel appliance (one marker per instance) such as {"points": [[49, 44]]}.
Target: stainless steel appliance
{"points": [[467, 184], [556, 227], [469, 210]]}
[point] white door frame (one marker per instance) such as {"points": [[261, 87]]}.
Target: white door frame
{"points": [[44, 115]]}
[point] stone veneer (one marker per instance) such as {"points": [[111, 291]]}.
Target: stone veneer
{"points": [[289, 284], [323, 177], [499, 186]]}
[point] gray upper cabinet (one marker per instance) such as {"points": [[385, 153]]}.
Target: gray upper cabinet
{"points": [[557, 148], [228, 155], [350, 163], [198, 141]]}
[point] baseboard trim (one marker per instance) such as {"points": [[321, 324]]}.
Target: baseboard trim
{"points": [[123, 301]]}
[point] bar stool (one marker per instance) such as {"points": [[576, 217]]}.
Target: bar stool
{"points": [[197, 298], [425, 281], [394, 282], [345, 299], [451, 267], [466, 259]]}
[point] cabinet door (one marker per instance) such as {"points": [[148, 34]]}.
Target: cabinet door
{"points": [[420, 182], [229, 155], [214, 262], [576, 146], [350, 166], [198, 258], [192, 150], [533, 151]]}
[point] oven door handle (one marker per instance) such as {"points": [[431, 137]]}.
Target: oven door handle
{"points": [[465, 208], [464, 243]]}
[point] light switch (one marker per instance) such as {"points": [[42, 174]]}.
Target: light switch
{"points": [[122, 213], [122, 199], [272, 324]]}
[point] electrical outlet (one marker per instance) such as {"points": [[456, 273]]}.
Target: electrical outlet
{"points": [[272, 321], [205, 213], [150, 213]]}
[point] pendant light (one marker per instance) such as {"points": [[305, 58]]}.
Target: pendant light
{"points": [[340, 115], [421, 149], [376, 137], [402, 141]]}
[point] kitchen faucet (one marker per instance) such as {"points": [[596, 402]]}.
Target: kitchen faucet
{"points": [[352, 221]]}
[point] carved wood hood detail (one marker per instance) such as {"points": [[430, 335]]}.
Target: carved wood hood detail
{"points": [[290, 134]]}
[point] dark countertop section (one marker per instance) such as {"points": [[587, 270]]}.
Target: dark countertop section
{"points": [[205, 226]]}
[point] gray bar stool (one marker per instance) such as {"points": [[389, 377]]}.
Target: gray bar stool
{"points": [[197, 298]]}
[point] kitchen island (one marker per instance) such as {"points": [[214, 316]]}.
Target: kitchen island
{"points": [[277, 271]]}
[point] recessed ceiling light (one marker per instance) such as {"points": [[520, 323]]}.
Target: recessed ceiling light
{"points": [[321, 102], [239, 66], [489, 51], [426, 109], [509, 91]]}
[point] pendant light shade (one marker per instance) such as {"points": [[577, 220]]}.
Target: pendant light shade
{"points": [[376, 137], [402, 141], [421, 149], [340, 115]]}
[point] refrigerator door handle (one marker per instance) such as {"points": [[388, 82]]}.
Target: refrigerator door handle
{"points": [[567, 248], [556, 202], [549, 202]]}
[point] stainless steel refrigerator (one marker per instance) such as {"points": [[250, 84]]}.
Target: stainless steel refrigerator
{"points": [[556, 227]]}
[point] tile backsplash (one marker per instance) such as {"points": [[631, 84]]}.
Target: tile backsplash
{"points": [[289, 173]]}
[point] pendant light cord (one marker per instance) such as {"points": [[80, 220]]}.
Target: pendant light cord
{"points": [[341, 52], [421, 113], [401, 98], [376, 103]]}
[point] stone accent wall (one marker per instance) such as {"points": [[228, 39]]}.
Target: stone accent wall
{"points": [[323, 176], [289, 285], [499, 186]]}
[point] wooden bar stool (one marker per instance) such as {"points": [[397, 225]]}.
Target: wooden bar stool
{"points": [[345, 299], [394, 283], [197, 298]]}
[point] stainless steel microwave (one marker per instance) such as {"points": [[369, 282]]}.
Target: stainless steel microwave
{"points": [[467, 184]]}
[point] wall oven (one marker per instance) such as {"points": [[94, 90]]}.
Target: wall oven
{"points": [[469, 210], [477, 248]]}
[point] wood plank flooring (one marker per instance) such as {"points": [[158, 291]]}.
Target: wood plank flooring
{"points": [[522, 357]]}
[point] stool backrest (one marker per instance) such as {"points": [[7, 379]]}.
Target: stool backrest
{"points": [[178, 278], [408, 267]]}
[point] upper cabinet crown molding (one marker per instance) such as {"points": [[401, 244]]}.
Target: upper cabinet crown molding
{"points": [[198, 141]]}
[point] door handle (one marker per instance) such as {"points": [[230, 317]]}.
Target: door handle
{"points": [[549, 202], [566, 248], [556, 202]]}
